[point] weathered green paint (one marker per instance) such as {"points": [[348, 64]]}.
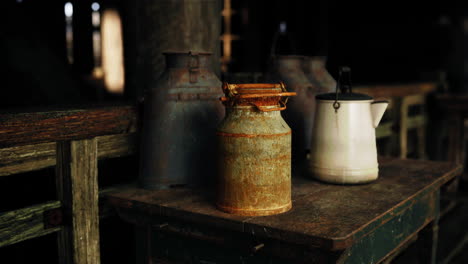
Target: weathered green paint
{"points": [[25, 223], [390, 235], [361, 233]]}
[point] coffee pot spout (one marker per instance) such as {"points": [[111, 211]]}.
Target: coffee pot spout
{"points": [[377, 111]]}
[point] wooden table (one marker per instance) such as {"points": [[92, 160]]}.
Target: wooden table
{"points": [[328, 223]]}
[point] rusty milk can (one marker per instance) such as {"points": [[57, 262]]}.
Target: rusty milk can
{"points": [[299, 115], [254, 150], [180, 118]]}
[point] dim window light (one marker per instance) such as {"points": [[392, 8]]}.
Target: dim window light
{"points": [[112, 51], [68, 9], [95, 6]]}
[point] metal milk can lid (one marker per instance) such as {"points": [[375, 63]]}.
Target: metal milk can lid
{"points": [[264, 96]]}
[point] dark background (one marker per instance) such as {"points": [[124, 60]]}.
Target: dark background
{"points": [[382, 41]]}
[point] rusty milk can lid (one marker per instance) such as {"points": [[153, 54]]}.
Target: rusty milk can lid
{"points": [[260, 95]]}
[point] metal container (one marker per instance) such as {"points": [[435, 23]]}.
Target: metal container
{"points": [[180, 118], [254, 150], [316, 72], [300, 112], [343, 143]]}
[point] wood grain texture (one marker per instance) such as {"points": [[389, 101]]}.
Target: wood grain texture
{"points": [[39, 156], [78, 190], [113, 146], [323, 215], [25, 223], [40, 127]]}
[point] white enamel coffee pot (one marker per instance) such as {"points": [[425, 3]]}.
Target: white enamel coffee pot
{"points": [[343, 149]]}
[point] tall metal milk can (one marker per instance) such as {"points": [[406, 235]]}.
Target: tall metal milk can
{"points": [[254, 150], [180, 117], [299, 115], [316, 72]]}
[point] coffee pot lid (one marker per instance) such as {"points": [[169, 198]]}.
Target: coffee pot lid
{"points": [[344, 85], [344, 96]]}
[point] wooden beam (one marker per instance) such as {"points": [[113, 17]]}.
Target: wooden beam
{"points": [[39, 156], [17, 129], [25, 223], [396, 90], [404, 128], [77, 188], [26, 158], [114, 146]]}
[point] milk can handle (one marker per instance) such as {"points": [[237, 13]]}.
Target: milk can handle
{"points": [[194, 63], [264, 109]]}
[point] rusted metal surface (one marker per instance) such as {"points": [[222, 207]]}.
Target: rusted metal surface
{"points": [[299, 115], [254, 151], [314, 69], [180, 118]]}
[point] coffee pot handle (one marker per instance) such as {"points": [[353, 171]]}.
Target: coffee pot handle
{"points": [[346, 71], [344, 80]]}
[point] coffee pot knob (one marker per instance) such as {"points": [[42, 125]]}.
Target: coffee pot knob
{"points": [[344, 79]]}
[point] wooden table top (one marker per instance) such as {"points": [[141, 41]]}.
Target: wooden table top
{"points": [[328, 216]]}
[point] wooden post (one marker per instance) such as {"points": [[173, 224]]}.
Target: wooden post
{"points": [[395, 144], [143, 244], [421, 130], [428, 242], [456, 138], [403, 128], [77, 189]]}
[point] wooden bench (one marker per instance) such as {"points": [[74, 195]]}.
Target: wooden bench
{"points": [[398, 121], [73, 140]]}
